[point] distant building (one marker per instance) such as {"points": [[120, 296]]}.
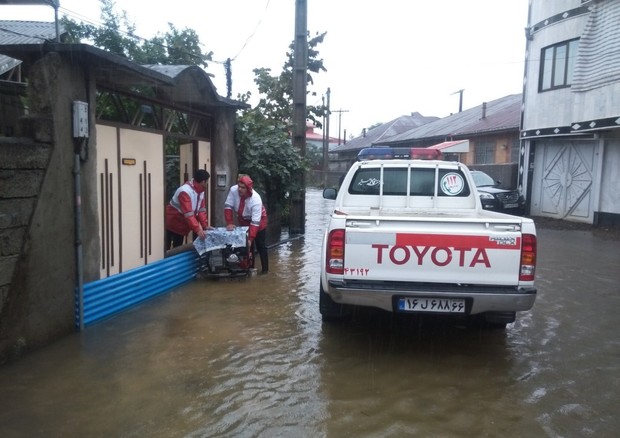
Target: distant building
{"points": [[341, 157], [12, 86], [571, 120], [491, 130]]}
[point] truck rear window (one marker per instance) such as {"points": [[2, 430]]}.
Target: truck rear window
{"points": [[450, 182]]}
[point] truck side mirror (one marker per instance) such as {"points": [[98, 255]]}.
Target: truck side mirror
{"points": [[330, 193]]}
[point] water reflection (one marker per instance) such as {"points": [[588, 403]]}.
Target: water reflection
{"points": [[252, 358]]}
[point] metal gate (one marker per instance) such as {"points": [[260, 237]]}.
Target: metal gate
{"points": [[564, 177]]}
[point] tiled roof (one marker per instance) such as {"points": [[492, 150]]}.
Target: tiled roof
{"points": [[385, 131], [500, 115]]}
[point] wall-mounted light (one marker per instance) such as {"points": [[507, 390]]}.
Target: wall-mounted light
{"points": [[221, 180]]}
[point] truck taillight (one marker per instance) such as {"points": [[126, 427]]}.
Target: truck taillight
{"points": [[528, 257], [335, 252]]}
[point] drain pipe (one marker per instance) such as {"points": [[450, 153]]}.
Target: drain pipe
{"points": [[79, 276], [80, 144]]}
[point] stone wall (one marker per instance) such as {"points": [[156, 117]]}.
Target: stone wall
{"points": [[22, 169], [37, 212]]}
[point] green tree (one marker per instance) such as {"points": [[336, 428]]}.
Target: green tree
{"points": [[263, 133], [118, 36], [276, 92], [265, 152]]}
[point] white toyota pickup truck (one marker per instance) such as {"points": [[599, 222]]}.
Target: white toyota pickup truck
{"points": [[411, 236]]}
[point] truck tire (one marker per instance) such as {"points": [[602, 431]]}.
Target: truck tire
{"points": [[498, 320], [331, 310]]}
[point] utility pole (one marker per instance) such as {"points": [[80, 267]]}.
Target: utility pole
{"points": [[460, 92], [340, 111], [300, 72], [326, 140]]}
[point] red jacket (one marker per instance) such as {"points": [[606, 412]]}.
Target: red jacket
{"points": [[249, 210], [187, 209]]}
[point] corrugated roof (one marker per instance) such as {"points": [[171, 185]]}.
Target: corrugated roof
{"points": [[500, 115], [452, 146], [24, 32], [184, 85], [385, 131], [178, 72]]}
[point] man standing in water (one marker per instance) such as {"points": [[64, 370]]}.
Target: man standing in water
{"points": [[247, 205], [187, 210]]}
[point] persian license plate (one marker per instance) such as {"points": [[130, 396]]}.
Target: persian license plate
{"points": [[445, 305], [511, 205]]}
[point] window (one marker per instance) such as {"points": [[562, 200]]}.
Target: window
{"points": [[484, 152], [515, 150], [557, 64], [368, 181]]}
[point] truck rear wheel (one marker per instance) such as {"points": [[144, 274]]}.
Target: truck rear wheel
{"points": [[500, 319], [492, 320], [331, 310]]}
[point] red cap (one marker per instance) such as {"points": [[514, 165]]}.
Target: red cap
{"points": [[247, 181]]}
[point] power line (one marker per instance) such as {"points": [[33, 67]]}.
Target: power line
{"points": [[260, 21]]}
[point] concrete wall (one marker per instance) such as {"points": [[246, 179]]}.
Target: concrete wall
{"points": [[609, 204], [23, 163], [224, 157], [37, 217], [537, 113]]}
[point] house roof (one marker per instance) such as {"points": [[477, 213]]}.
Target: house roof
{"points": [[24, 32], [387, 130], [317, 136], [186, 86], [499, 115], [452, 146]]}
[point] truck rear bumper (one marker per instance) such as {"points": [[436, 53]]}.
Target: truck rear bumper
{"points": [[479, 298]]}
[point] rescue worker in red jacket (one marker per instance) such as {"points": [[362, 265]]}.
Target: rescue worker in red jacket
{"points": [[187, 210], [246, 204]]}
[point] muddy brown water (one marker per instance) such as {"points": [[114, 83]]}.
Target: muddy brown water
{"points": [[251, 358]]}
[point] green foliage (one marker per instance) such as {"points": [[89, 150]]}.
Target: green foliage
{"points": [[266, 153], [264, 147], [277, 91], [117, 35]]}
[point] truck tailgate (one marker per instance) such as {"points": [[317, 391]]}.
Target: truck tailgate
{"points": [[454, 251]]}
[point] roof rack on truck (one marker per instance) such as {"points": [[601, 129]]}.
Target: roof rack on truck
{"points": [[388, 153]]}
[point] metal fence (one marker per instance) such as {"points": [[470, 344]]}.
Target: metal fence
{"points": [[114, 294]]}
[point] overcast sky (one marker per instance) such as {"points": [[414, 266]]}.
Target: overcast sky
{"points": [[384, 58]]}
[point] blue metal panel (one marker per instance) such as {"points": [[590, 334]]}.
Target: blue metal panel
{"points": [[116, 293]]}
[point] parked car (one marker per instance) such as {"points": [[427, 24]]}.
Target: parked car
{"points": [[496, 199]]}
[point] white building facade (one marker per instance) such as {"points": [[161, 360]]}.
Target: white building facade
{"points": [[570, 129]]}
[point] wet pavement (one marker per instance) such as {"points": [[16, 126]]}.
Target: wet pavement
{"points": [[251, 358]]}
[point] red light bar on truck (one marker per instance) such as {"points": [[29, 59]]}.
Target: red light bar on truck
{"points": [[426, 154]]}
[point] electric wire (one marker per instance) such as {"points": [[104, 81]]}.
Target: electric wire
{"points": [[99, 24]]}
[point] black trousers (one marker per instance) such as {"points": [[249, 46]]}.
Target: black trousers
{"points": [[260, 244], [174, 239]]}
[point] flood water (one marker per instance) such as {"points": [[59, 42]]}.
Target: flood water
{"points": [[251, 358]]}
